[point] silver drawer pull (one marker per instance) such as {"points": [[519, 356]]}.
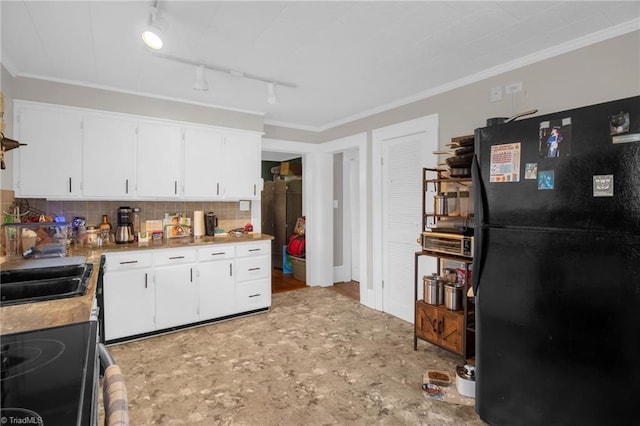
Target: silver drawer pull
{"points": [[217, 254], [254, 295], [255, 249], [176, 257], [254, 269], [128, 262]]}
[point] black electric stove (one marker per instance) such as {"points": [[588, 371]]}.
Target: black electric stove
{"points": [[49, 376]]}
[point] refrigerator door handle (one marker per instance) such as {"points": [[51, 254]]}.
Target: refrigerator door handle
{"points": [[479, 196], [479, 203]]}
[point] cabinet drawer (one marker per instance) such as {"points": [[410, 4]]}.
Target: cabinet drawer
{"points": [[216, 252], [252, 268], [126, 261], [258, 248], [174, 256], [253, 295]]}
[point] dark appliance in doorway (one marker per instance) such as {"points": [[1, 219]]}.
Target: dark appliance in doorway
{"points": [[281, 207], [557, 267]]}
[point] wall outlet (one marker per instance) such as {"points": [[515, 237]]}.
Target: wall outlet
{"points": [[496, 94], [513, 88]]}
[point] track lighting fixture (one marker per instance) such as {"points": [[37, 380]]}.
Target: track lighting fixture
{"points": [[272, 98], [201, 82], [153, 33]]}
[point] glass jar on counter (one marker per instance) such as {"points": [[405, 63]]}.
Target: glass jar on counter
{"points": [[93, 234]]}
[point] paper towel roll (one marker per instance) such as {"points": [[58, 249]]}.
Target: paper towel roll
{"points": [[198, 223]]}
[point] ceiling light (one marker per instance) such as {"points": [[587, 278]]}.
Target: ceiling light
{"points": [[272, 98], [201, 82], [153, 33]]}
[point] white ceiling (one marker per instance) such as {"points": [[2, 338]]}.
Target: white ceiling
{"points": [[347, 58]]}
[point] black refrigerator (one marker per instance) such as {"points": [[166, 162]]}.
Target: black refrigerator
{"points": [[556, 269]]}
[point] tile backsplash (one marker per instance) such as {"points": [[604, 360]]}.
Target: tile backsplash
{"points": [[228, 213]]}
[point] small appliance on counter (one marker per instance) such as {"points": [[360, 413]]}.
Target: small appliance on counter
{"points": [[210, 223], [124, 231]]}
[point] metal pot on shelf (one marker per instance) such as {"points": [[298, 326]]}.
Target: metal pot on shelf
{"points": [[433, 289], [453, 296]]}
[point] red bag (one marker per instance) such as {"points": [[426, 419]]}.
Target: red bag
{"points": [[296, 245]]}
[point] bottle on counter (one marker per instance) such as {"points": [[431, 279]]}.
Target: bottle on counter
{"points": [[136, 223], [105, 229]]}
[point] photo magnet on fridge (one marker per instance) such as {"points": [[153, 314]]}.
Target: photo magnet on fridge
{"points": [[554, 138], [545, 179], [603, 186], [531, 170]]}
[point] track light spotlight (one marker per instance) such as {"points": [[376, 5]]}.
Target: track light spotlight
{"points": [[272, 98], [201, 82], [153, 33]]}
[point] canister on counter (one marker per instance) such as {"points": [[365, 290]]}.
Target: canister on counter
{"points": [[92, 236]]}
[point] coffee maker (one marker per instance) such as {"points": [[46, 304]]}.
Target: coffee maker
{"points": [[124, 231], [210, 223]]}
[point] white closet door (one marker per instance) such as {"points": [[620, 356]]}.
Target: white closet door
{"points": [[401, 177]]}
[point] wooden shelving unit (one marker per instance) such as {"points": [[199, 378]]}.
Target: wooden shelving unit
{"points": [[451, 330]]}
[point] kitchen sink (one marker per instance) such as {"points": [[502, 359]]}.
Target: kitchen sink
{"points": [[39, 284]]}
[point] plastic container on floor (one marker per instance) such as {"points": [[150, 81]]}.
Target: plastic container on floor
{"points": [[299, 265]]}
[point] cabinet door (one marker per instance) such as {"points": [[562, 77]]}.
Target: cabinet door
{"points": [[427, 321], [176, 295], [217, 289], [241, 166], [202, 160], [49, 166], [129, 303], [159, 159], [108, 157], [451, 330]]}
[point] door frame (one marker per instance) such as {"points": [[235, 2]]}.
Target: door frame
{"points": [[427, 123], [355, 144], [318, 195]]}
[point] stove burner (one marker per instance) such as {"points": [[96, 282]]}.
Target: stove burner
{"points": [[24, 356]]}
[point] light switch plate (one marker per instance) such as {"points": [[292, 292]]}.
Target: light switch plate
{"points": [[496, 94], [513, 88]]}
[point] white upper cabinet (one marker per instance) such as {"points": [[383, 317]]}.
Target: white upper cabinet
{"points": [[108, 157], [88, 154], [50, 166], [241, 165], [203, 149], [159, 160]]}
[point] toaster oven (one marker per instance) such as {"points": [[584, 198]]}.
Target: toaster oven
{"points": [[448, 243]]}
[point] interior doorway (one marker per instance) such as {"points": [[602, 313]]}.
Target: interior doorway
{"points": [[281, 208]]}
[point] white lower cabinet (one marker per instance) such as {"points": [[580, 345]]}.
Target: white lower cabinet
{"points": [[129, 295], [217, 284], [176, 287], [253, 282], [154, 290]]}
